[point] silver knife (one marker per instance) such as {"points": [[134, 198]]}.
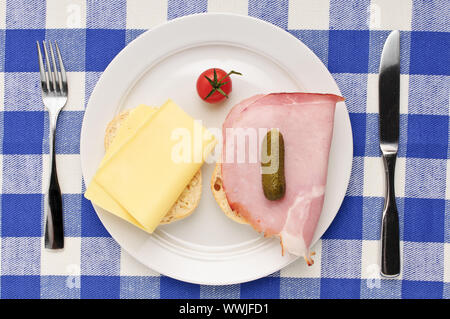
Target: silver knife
{"points": [[389, 108]]}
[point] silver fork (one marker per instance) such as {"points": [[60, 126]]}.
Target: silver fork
{"points": [[54, 95]]}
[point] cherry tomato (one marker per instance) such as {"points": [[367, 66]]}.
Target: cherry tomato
{"points": [[214, 85]]}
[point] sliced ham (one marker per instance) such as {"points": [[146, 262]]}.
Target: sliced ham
{"points": [[306, 123]]}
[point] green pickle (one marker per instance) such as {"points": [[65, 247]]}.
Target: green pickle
{"points": [[272, 165]]}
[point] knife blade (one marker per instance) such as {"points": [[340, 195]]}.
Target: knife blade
{"points": [[389, 110]]}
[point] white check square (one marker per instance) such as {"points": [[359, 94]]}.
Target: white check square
{"points": [[146, 14], [70, 181], [76, 87], [2, 14], [447, 262], [390, 15], [233, 6], [307, 14], [64, 262], [66, 14], [370, 259]]}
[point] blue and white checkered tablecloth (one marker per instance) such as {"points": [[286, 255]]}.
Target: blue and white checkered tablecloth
{"points": [[347, 35]]}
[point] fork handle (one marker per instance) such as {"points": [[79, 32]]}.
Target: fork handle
{"points": [[54, 229], [390, 233]]}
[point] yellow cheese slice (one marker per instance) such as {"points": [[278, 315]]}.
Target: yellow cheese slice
{"points": [[128, 128], [147, 172]]}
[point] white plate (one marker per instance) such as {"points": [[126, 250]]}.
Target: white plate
{"points": [[207, 247]]}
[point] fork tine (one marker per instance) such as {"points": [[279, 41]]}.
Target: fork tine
{"points": [[63, 83], [43, 74], [51, 75], [57, 76]]}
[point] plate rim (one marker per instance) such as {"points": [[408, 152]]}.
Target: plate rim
{"points": [[130, 47]]}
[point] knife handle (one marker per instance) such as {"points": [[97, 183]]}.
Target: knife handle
{"points": [[390, 233]]}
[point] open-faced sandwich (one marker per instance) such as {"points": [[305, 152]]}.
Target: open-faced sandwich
{"points": [[150, 174], [189, 198], [278, 187]]}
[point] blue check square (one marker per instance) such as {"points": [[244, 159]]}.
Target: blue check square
{"points": [[348, 51], [371, 215], [132, 34], [377, 39], [422, 289], [20, 287], [91, 226], [424, 220], [91, 80], [403, 135], [446, 293], [23, 14], [427, 136], [349, 14], [179, 8], [21, 51], [354, 89], [264, 288], [102, 46], [428, 261], [23, 92], [72, 214], [23, 132], [68, 39], [299, 288], [220, 292], [22, 174], [430, 15], [316, 40], [21, 256], [175, 289], [2, 50], [68, 131], [428, 94], [425, 178], [22, 215], [333, 288], [373, 135], [57, 287], [358, 122], [100, 287], [348, 222], [430, 53], [137, 287], [356, 183], [381, 289], [273, 11], [105, 14], [341, 258], [108, 265]]}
